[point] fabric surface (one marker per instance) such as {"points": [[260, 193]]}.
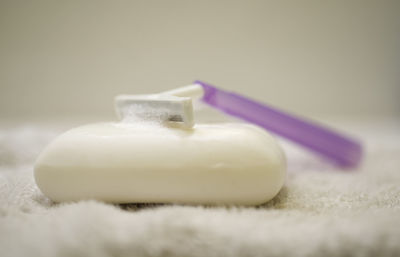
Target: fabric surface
{"points": [[321, 211]]}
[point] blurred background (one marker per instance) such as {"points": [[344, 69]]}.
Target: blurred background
{"points": [[66, 59]]}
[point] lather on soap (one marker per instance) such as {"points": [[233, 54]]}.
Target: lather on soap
{"points": [[156, 154]]}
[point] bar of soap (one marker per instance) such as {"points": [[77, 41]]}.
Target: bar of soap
{"points": [[227, 163]]}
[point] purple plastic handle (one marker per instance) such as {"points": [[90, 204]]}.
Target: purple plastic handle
{"points": [[342, 150]]}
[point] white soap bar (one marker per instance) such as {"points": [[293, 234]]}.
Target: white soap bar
{"points": [[135, 163]]}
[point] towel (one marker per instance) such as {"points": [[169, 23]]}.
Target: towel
{"points": [[321, 211]]}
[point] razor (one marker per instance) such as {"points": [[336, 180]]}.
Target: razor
{"points": [[175, 108]]}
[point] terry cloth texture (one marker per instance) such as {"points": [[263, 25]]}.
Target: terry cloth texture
{"points": [[321, 211]]}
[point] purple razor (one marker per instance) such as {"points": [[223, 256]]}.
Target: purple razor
{"points": [[340, 149]]}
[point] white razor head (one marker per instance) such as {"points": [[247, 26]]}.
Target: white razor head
{"points": [[162, 108]]}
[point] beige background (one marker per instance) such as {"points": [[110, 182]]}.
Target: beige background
{"points": [[69, 58]]}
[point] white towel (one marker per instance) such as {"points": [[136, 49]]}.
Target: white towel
{"points": [[321, 211]]}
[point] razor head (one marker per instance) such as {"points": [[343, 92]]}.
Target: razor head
{"points": [[162, 108]]}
